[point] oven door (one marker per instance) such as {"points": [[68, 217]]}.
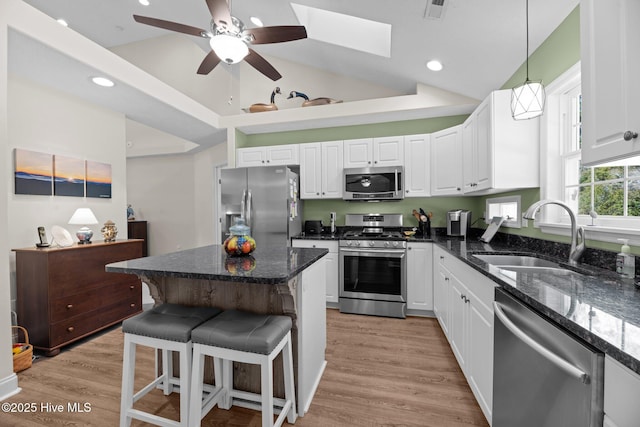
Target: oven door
{"points": [[373, 274]]}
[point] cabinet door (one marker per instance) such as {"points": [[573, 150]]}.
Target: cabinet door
{"points": [[458, 321], [483, 142], [469, 164], [249, 157], [610, 86], [419, 276], [278, 155], [417, 159], [446, 162], [331, 260], [332, 176], [480, 358], [358, 153], [388, 151], [441, 298], [310, 170]]}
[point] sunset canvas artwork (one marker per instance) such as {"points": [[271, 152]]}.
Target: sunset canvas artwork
{"points": [[68, 176], [98, 180], [33, 172]]}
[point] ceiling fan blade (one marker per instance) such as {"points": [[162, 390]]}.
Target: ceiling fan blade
{"points": [[208, 63], [219, 11], [277, 34], [262, 65], [173, 26]]}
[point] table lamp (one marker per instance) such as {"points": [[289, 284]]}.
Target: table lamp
{"points": [[83, 216]]}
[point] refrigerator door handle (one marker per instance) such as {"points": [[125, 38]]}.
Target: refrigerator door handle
{"points": [[544, 352], [243, 205], [249, 209]]}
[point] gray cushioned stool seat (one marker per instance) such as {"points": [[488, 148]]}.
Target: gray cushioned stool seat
{"points": [[170, 322], [243, 331]]}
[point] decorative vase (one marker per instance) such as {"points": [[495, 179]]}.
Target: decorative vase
{"points": [[239, 243], [109, 231]]}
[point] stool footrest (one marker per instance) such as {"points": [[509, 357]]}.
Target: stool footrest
{"points": [[146, 389], [250, 400], [150, 418]]}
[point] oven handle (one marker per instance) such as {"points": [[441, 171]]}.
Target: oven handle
{"points": [[396, 181], [399, 252]]}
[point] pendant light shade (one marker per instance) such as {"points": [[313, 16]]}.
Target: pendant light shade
{"points": [[527, 100]]}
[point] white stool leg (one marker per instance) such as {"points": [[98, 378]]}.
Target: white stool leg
{"points": [[197, 372], [167, 371], [128, 375], [227, 383], [266, 371], [185, 377], [289, 387]]}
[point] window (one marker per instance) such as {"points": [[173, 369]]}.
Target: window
{"points": [[605, 197], [506, 207]]}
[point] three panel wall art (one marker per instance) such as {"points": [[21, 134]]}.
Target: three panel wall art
{"points": [[50, 174]]}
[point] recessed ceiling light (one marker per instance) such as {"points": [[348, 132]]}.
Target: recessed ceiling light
{"points": [[256, 21], [434, 65], [144, 2], [62, 22], [102, 81]]}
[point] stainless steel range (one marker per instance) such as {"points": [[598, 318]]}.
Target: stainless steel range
{"points": [[373, 265]]}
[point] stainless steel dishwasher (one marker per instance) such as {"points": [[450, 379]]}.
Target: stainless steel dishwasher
{"points": [[542, 376]]}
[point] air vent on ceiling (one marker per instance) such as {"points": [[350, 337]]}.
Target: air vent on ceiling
{"points": [[435, 9]]}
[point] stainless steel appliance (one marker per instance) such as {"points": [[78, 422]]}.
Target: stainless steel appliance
{"points": [[267, 198], [373, 265], [370, 184], [541, 375], [458, 222]]}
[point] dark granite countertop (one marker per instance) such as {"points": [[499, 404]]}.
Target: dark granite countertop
{"points": [[598, 307], [269, 265]]}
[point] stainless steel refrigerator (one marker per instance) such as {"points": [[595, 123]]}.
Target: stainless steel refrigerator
{"points": [[267, 198]]}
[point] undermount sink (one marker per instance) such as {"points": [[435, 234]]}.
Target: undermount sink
{"points": [[505, 260]]}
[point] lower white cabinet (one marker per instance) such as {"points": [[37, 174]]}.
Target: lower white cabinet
{"points": [[621, 392], [463, 304], [419, 277], [331, 260]]}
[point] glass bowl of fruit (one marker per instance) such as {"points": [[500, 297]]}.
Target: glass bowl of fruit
{"points": [[239, 243]]}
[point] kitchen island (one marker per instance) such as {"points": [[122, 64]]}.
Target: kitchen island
{"points": [[272, 280]]}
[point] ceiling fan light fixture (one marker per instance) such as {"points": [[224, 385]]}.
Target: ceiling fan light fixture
{"points": [[228, 48]]}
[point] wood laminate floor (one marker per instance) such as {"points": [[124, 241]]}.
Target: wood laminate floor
{"points": [[380, 372]]}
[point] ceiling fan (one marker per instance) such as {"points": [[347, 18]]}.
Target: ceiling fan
{"points": [[229, 40]]}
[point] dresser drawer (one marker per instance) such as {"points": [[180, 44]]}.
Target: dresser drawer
{"points": [[93, 299], [75, 327]]}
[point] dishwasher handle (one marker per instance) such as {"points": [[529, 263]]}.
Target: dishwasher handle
{"points": [[544, 352]]}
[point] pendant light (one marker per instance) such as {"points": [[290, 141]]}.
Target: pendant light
{"points": [[527, 100]]}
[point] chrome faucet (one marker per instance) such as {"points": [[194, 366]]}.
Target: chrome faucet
{"points": [[577, 233]]}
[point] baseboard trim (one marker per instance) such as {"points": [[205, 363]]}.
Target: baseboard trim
{"points": [[9, 387]]}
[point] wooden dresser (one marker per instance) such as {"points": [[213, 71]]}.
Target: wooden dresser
{"points": [[64, 294]]}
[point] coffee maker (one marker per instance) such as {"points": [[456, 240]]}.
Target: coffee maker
{"points": [[458, 222]]}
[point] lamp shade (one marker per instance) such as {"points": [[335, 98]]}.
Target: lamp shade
{"points": [[228, 48], [83, 216], [527, 100]]}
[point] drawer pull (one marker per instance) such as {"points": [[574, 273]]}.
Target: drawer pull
{"points": [[132, 305], [69, 306], [132, 287], [70, 329]]}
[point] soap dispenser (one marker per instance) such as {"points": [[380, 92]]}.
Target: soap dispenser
{"points": [[625, 262]]}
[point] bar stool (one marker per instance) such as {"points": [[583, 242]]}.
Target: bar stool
{"points": [[168, 328], [248, 338]]}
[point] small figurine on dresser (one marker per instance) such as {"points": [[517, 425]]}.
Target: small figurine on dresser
{"points": [[109, 231], [131, 216]]}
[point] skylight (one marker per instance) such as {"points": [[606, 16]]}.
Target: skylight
{"points": [[345, 30]]}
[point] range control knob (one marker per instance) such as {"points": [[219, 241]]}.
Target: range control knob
{"points": [[371, 243], [386, 244], [357, 243], [395, 244]]}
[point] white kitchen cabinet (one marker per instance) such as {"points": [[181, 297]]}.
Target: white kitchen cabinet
{"points": [[609, 42], [463, 301], [621, 391], [446, 162], [331, 260], [419, 277], [417, 162], [499, 153], [276, 155], [321, 174], [368, 152]]}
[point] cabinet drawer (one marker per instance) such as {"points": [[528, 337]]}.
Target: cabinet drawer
{"points": [[93, 299], [331, 245], [84, 324]]}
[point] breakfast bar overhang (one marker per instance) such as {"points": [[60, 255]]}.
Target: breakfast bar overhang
{"points": [[272, 280]]}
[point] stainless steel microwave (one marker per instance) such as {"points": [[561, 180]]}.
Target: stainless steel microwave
{"points": [[377, 183]]}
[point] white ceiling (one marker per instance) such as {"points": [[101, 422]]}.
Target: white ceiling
{"points": [[481, 43]]}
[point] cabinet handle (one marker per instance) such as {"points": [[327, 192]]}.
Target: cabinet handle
{"points": [[70, 329], [132, 305], [376, 162], [458, 189], [263, 161], [409, 248], [323, 193], [407, 191], [317, 194], [629, 135], [313, 246], [446, 279], [132, 287], [268, 161], [369, 162], [441, 256], [69, 306]]}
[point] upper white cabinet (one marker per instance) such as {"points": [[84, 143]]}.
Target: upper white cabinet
{"points": [[419, 276], [609, 43], [417, 175], [446, 162], [498, 152], [321, 170], [368, 152], [276, 155]]}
